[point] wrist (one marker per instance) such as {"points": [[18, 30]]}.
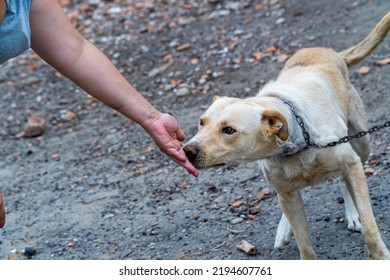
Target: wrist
{"points": [[149, 119]]}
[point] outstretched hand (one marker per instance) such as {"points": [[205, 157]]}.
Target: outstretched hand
{"points": [[166, 133], [2, 212]]}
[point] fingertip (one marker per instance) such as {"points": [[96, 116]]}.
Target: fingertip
{"points": [[192, 170], [180, 135], [195, 173]]}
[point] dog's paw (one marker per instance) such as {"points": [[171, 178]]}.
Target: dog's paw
{"points": [[353, 222], [281, 243], [352, 216], [283, 234], [351, 213]]}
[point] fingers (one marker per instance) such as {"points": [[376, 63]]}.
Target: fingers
{"points": [[167, 134], [180, 135], [180, 158], [173, 127], [191, 169]]}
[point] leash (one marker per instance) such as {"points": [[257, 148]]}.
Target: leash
{"points": [[360, 134], [342, 140]]}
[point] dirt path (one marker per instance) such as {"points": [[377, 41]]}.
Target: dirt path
{"points": [[93, 186]]}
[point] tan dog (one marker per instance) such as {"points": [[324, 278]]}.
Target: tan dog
{"points": [[311, 104]]}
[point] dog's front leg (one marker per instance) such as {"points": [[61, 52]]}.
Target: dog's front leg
{"points": [[292, 206]]}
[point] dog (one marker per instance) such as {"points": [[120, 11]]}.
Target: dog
{"points": [[288, 125]]}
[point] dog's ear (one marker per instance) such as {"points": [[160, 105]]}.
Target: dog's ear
{"points": [[275, 123]]}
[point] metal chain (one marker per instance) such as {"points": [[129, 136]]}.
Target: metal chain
{"points": [[357, 135], [306, 134], [342, 140]]}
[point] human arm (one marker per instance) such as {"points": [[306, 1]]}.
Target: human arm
{"points": [[56, 40]]}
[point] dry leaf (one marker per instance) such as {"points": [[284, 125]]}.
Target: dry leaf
{"points": [[55, 156], [149, 149], [250, 217], [32, 67], [257, 55], [183, 47], [238, 203], [374, 162], [282, 57], [174, 83], [383, 61], [10, 84], [270, 49], [363, 70], [258, 7], [194, 61], [369, 170], [186, 6], [69, 116], [255, 209]]}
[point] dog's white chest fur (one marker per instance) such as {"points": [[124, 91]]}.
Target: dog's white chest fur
{"points": [[307, 168]]}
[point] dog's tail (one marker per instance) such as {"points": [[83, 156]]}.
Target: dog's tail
{"points": [[360, 51]]}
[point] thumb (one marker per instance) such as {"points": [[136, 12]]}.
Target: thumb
{"points": [[180, 135]]}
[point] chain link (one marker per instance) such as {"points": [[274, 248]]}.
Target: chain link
{"points": [[357, 135], [306, 134]]}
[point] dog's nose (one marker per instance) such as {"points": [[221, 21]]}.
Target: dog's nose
{"points": [[191, 151]]}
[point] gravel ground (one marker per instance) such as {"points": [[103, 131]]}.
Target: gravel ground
{"points": [[94, 186]]}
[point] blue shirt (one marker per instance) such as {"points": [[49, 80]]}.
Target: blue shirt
{"points": [[15, 33]]}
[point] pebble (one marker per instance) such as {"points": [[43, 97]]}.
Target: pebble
{"points": [[326, 219], [202, 81], [145, 49], [183, 91], [67, 115], [234, 6], [114, 10], [154, 72], [35, 127], [236, 221], [29, 252], [94, 2], [280, 20]]}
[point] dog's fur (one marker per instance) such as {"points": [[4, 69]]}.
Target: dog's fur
{"points": [[315, 82]]}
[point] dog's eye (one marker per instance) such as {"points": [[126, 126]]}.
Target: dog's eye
{"points": [[201, 122], [228, 130]]}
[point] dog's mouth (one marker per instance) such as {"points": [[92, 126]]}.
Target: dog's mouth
{"points": [[216, 165]]}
